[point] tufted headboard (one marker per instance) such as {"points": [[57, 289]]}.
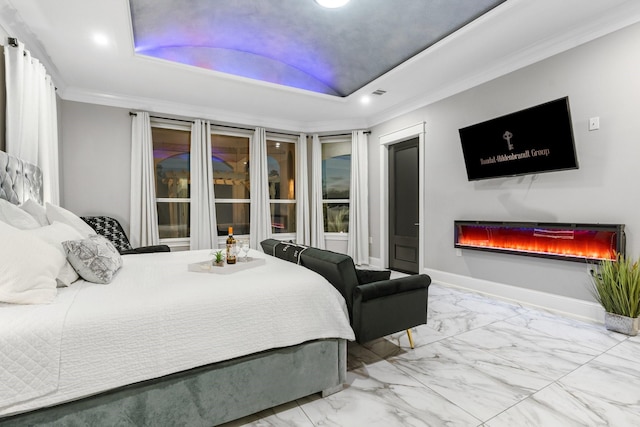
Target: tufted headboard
{"points": [[19, 180]]}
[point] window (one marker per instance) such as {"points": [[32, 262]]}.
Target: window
{"points": [[230, 161], [231, 180], [171, 151], [336, 181], [281, 163]]}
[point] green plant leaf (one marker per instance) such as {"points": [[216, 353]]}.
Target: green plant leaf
{"points": [[616, 286]]}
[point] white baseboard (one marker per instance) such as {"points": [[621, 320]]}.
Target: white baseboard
{"points": [[566, 306]]}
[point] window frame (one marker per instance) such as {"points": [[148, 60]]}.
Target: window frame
{"points": [[286, 140], [173, 242], [225, 131], [336, 235], [184, 242]]}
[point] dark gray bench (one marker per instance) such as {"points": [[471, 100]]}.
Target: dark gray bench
{"points": [[377, 305]]}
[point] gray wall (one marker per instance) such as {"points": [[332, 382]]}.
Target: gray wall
{"points": [[601, 78], [95, 160]]}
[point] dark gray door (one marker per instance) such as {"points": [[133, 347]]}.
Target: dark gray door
{"points": [[403, 206]]}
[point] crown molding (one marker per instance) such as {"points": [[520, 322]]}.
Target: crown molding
{"points": [[153, 105]]}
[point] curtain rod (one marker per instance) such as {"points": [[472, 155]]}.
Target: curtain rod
{"points": [[341, 134], [252, 130], [13, 42], [131, 113], [284, 133]]}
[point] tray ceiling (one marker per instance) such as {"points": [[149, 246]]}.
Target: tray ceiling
{"points": [[298, 43], [88, 47]]}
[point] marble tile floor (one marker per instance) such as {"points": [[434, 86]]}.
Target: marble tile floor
{"points": [[480, 362]]}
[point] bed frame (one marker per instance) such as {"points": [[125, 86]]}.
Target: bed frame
{"points": [[204, 396], [19, 180], [208, 395]]}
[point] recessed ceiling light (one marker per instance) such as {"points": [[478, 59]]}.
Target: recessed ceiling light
{"points": [[365, 99], [332, 3], [100, 39]]}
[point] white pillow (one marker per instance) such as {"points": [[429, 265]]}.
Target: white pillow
{"points": [[56, 213], [16, 217], [54, 235], [95, 258], [28, 269], [36, 210]]}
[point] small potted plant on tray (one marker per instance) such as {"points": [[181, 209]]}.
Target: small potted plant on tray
{"points": [[218, 260], [616, 286]]}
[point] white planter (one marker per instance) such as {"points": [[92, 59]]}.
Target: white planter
{"points": [[623, 324]]}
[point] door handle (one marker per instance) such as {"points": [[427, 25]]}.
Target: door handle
{"points": [[417, 223]]}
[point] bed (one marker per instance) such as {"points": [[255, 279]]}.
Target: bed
{"points": [[161, 345]]}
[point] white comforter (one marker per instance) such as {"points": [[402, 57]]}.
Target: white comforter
{"points": [[157, 318]]}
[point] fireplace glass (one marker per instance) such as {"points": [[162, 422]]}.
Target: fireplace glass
{"points": [[572, 242]]}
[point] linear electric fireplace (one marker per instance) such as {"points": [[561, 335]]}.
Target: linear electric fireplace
{"points": [[571, 242]]}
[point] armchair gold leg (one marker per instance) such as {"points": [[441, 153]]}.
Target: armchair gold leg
{"points": [[410, 335]]}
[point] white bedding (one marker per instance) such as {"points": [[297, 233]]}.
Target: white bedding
{"points": [[30, 343], [157, 318]]}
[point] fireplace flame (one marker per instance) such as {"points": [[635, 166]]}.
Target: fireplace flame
{"points": [[587, 244]]}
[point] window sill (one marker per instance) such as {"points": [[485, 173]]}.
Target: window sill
{"points": [[177, 244], [336, 236]]}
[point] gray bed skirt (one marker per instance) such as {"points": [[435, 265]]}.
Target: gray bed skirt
{"points": [[207, 395]]}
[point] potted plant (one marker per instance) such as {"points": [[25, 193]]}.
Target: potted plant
{"points": [[218, 260], [616, 286]]}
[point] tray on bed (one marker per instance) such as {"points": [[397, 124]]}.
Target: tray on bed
{"points": [[240, 265]]}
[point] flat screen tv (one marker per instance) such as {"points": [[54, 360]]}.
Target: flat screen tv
{"points": [[538, 139]]}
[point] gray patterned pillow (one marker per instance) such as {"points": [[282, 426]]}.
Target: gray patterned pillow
{"points": [[94, 258]]}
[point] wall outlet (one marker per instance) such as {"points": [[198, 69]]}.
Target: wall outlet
{"points": [[594, 123]]}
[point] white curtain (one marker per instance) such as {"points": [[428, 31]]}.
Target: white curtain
{"points": [[260, 216], [31, 117], [317, 221], [204, 227], [358, 243], [144, 212], [302, 189]]}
